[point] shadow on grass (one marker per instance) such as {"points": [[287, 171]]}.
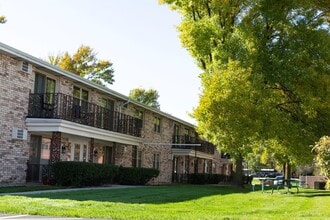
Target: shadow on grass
{"points": [[313, 193], [148, 194]]}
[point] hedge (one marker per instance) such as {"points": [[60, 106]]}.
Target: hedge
{"points": [[206, 178], [135, 176], [71, 173]]}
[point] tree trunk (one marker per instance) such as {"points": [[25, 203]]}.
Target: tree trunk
{"points": [[238, 171], [287, 171]]}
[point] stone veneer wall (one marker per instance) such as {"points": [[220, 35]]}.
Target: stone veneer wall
{"points": [[15, 87], [165, 136]]}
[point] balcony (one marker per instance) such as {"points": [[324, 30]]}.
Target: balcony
{"points": [[61, 106], [185, 140]]}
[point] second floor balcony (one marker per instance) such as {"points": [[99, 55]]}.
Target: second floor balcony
{"points": [[188, 142], [61, 106]]}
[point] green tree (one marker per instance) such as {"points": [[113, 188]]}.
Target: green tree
{"points": [[148, 97], [85, 63], [266, 74], [322, 158]]}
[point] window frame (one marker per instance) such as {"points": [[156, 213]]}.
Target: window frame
{"points": [[136, 157], [156, 161], [157, 124]]}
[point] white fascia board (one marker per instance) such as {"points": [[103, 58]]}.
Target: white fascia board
{"points": [[67, 127], [191, 153], [204, 155]]}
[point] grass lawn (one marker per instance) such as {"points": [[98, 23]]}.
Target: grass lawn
{"points": [[173, 202]]}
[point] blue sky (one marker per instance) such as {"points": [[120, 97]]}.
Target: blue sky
{"points": [[138, 37]]}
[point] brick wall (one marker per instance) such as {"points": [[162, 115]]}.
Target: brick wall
{"points": [[15, 87]]}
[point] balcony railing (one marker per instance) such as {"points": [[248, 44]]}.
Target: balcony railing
{"points": [[61, 106], [185, 142]]}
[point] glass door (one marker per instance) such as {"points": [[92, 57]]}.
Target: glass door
{"points": [[38, 158], [80, 152]]}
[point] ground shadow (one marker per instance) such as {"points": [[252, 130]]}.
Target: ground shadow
{"points": [[316, 193], [149, 194]]}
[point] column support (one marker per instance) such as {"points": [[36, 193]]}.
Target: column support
{"points": [[55, 148]]}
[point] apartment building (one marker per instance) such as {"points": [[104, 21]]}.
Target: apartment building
{"points": [[49, 115]]}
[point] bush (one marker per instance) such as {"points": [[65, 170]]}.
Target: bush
{"points": [[136, 176], [70, 173], [206, 178]]}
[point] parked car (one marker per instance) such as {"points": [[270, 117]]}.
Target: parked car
{"points": [[279, 180]]}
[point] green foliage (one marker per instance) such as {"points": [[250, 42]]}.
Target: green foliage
{"points": [[266, 77], [71, 173], [136, 176], [206, 178], [148, 97], [322, 158], [85, 64]]}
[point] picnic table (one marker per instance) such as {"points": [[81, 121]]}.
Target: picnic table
{"points": [[287, 184], [292, 183], [263, 182]]}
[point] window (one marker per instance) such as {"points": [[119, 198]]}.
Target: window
{"points": [[176, 132], [156, 161], [136, 157], [80, 101], [108, 104], [186, 135], [80, 93], [43, 84], [45, 87], [156, 124], [107, 113]]}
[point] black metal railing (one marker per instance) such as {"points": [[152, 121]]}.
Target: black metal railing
{"points": [[61, 106], [188, 142]]}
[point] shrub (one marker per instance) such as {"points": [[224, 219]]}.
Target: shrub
{"points": [[322, 158], [206, 178], [71, 173], [136, 176]]}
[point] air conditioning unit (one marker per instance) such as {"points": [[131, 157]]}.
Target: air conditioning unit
{"points": [[24, 66], [19, 134]]}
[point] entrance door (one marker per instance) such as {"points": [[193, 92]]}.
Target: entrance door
{"points": [[38, 159], [108, 155], [80, 151]]}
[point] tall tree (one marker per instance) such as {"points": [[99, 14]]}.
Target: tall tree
{"points": [[85, 63], [266, 73], [148, 97]]}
